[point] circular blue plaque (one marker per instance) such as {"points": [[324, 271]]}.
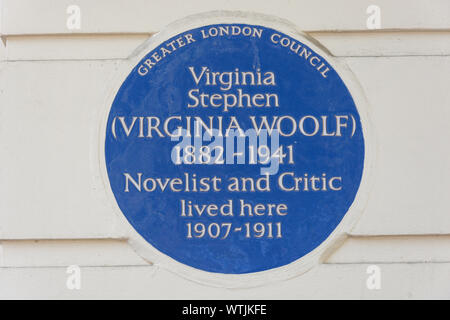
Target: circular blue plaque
{"points": [[234, 148]]}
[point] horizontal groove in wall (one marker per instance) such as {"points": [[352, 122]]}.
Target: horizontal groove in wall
{"points": [[48, 16], [120, 46], [109, 252], [344, 281]]}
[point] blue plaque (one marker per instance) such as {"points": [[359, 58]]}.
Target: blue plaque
{"points": [[234, 148]]}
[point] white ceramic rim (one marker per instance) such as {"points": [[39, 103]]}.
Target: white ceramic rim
{"points": [[157, 258]]}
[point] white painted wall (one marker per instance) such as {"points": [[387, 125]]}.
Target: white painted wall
{"points": [[53, 80]]}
